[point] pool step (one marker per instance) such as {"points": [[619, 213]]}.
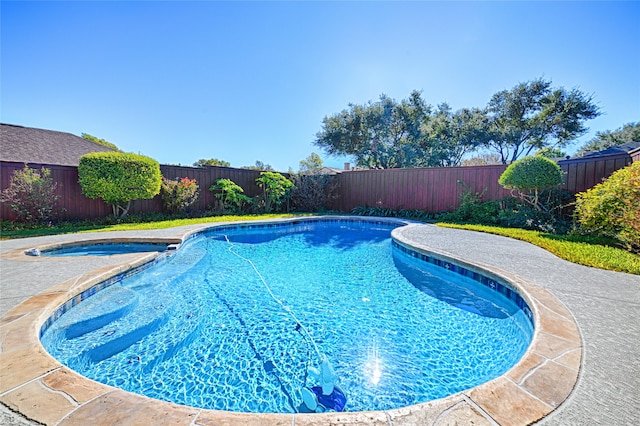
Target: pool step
{"points": [[117, 303], [124, 341], [104, 342]]}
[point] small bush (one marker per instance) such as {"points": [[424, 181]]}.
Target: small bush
{"points": [[612, 208], [312, 193], [230, 194], [275, 190], [119, 178], [177, 195], [530, 175], [414, 214], [31, 195]]}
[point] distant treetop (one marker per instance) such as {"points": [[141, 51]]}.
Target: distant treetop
{"points": [[99, 141]]}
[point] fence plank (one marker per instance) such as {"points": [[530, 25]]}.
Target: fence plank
{"points": [[428, 189]]}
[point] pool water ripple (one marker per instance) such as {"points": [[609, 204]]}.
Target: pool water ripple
{"points": [[204, 331]]}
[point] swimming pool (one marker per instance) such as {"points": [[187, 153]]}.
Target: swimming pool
{"points": [[102, 249], [200, 327]]}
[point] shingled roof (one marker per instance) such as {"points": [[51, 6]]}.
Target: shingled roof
{"points": [[38, 146]]}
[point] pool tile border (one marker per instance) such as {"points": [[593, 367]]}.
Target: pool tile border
{"points": [[38, 386]]}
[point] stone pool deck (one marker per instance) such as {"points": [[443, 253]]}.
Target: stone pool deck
{"points": [[595, 364]]}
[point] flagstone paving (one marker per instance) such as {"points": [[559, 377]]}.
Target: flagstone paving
{"points": [[582, 367]]}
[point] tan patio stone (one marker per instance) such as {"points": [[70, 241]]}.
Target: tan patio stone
{"points": [[19, 333], [463, 414], [39, 302], [526, 364], [564, 379], [122, 408], [507, 403], [73, 384], [558, 325], [549, 301], [551, 346], [38, 403], [25, 364], [571, 359], [8, 319]]}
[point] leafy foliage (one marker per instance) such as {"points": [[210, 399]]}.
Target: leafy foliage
{"points": [[97, 140], [311, 165], [177, 195], [482, 160], [260, 166], [387, 212], [211, 162], [31, 195], [378, 135], [386, 134], [118, 178], [312, 192], [629, 132], [612, 208], [230, 194], [529, 176], [275, 189], [533, 115]]}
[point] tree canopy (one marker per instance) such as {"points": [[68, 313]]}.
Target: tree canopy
{"points": [[629, 132], [311, 165], [260, 166], [211, 162], [97, 140], [533, 116], [411, 133]]}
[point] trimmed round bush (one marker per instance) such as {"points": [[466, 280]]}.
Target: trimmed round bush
{"points": [[531, 174], [119, 178]]}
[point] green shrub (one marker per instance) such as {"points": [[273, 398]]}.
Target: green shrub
{"points": [[119, 178], [530, 175], [413, 214], [31, 195], [230, 195], [177, 195], [275, 189], [612, 208], [312, 193]]}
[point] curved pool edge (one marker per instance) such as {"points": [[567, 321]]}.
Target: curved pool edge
{"points": [[40, 388]]}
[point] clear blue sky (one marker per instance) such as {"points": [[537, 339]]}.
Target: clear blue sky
{"points": [[247, 81]]}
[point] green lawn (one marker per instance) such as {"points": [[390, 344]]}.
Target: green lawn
{"points": [[583, 250], [133, 226]]}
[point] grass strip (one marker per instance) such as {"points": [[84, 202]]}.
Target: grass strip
{"points": [[583, 250], [134, 226]]}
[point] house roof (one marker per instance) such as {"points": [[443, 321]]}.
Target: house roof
{"points": [[38, 146], [618, 149]]}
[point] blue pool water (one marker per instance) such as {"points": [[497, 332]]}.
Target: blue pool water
{"points": [[105, 249], [202, 329]]}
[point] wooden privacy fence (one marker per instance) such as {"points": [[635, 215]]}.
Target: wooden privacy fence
{"points": [[428, 189], [583, 173], [76, 206]]}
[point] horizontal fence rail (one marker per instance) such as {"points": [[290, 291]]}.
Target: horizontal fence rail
{"points": [[429, 189]]}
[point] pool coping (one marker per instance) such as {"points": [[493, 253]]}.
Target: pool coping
{"points": [[39, 387]]}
